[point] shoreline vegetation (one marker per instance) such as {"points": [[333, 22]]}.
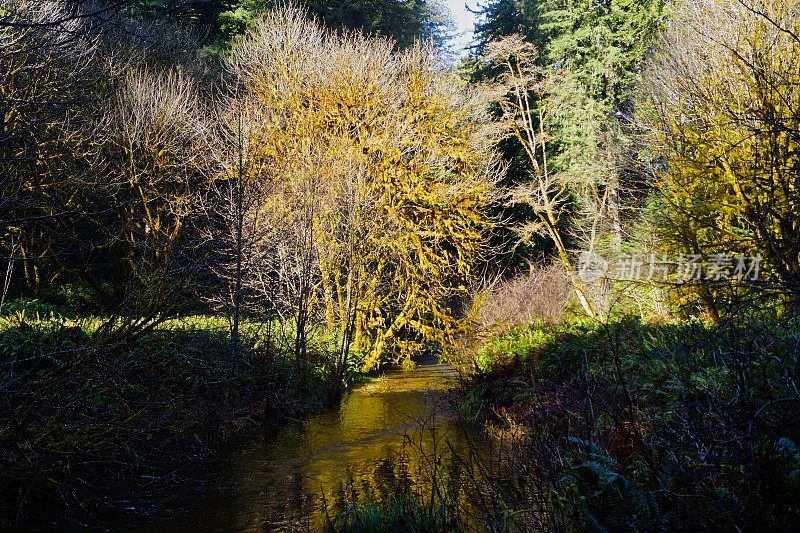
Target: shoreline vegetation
{"points": [[219, 214], [624, 425], [90, 425], [621, 426], [612, 425]]}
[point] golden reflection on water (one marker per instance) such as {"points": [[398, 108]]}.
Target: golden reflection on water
{"points": [[384, 435]]}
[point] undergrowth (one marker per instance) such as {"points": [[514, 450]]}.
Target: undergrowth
{"points": [[82, 418], [632, 427]]}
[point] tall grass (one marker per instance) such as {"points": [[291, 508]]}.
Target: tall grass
{"points": [[403, 513]]}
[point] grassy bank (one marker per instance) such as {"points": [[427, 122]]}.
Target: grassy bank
{"points": [[633, 427], [85, 422]]}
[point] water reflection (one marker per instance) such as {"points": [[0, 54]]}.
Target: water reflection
{"points": [[385, 435]]}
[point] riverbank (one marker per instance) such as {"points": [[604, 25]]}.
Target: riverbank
{"points": [[622, 426], [330, 469], [89, 426], [632, 427]]}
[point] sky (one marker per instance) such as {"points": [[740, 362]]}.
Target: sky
{"points": [[464, 22]]}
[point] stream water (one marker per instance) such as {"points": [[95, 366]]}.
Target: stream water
{"points": [[387, 434]]}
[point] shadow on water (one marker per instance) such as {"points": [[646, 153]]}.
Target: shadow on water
{"points": [[386, 435]]}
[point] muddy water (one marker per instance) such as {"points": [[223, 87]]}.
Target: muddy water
{"points": [[386, 434]]}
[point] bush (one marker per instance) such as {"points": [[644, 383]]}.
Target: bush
{"points": [[628, 427], [540, 295]]}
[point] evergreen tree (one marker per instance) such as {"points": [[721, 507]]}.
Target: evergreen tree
{"points": [[595, 51], [202, 14], [498, 19], [221, 20], [402, 20], [599, 48]]}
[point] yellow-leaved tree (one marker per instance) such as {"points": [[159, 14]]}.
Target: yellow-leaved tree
{"points": [[722, 123], [381, 173]]}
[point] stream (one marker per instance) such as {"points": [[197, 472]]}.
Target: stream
{"points": [[388, 433]]}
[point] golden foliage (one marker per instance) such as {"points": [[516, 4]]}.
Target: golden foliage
{"points": [[723, 108], [384, 160]]}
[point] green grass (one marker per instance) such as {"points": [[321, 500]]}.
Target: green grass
{"points": [[404, 513], [517, 345]]}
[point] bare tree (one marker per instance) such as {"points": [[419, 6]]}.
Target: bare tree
{"points": [[156, 152], [523, 86], [721, 126], [13, 14], [48, 74]]}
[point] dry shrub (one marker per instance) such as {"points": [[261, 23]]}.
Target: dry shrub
{"points": [[540, 295]]}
